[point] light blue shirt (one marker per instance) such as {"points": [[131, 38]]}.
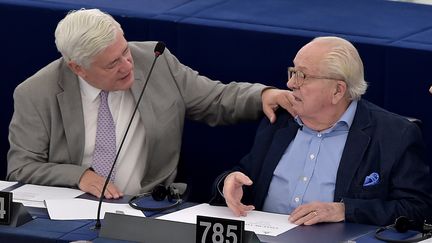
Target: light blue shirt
{"points": [[307, 170]]}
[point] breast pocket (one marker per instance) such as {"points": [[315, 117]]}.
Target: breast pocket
{"points": [[369, 192]]}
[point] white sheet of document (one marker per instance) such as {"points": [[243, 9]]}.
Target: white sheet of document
{"points": [[70, 209], [259, 222], [34, 195], [6, 184]]}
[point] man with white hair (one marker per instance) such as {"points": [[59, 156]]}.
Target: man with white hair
{"points": [[341, 158], [71, 116]]}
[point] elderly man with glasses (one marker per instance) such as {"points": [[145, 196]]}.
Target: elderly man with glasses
{"points": [[341, 158]]}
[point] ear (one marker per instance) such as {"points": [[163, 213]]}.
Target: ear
{"points": [[77, 69], [339, 92]]}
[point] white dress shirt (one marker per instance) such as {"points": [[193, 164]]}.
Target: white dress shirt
{"points": [[130, 168]]}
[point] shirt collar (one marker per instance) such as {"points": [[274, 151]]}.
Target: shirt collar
{"points": [[346, 118], [88, 91], [348, 115]]}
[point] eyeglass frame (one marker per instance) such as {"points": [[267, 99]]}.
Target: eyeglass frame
{"points": [[293, 73]]}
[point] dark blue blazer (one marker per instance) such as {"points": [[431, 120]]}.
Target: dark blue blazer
{"points": [[378, 141]]}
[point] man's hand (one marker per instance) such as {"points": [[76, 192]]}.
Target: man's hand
{"points": [[272, 99], [233, 193], [93, 183], [318, 212]]}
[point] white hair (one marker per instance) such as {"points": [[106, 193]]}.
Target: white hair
{"points": [[343, 61], [84, 33]]}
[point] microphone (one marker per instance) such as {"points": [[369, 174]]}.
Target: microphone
{"points": [[158, 50]]}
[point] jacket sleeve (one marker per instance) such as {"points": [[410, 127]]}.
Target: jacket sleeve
{"points": [[212, 101]]}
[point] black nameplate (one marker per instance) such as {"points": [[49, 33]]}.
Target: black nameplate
{"points": [[5, 207], [219, 230]]}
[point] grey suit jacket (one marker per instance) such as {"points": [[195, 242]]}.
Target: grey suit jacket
{"points": [[46, 133]]}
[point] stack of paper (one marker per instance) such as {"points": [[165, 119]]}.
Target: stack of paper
{"points": [[70, 209], [34, 195], [6, 184]]}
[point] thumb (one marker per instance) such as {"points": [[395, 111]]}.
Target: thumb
{"points": [[269, 112], [243, 179]]}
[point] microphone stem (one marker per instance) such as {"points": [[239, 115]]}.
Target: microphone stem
{"points": [[98, 221]]}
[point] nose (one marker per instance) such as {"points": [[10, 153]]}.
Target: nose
{"points": [[291, 83], [126, 64]]}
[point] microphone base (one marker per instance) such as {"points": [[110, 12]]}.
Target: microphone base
{"points": [[20, 215], [97, 226]]}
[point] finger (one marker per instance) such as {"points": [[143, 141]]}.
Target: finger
{"points": [[270, 114], [248, 208], [114, 191], [287, 99], [307, 218], [234, 203], [287, 102], [108, 195], [244, 209], [95, 190], [237, 212], [300, 212], [315, 218], [242, 179], [239, 209], [235, 209], [98, 184], [111, 191]]}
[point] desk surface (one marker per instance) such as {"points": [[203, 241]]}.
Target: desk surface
{"points": [[42, 229]]}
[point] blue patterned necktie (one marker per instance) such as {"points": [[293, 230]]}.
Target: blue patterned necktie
{"points": [[105, 146]]}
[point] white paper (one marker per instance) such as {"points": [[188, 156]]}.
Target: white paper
{"points": [[418, 2], [70, 209], [34, 195], [33, 204], [259, 222], [6, 184]]}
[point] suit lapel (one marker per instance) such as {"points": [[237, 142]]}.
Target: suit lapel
{"points": [[146, 110], [355, 147], [72, 114]]}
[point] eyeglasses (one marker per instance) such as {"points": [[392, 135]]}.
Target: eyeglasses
{"points": [[300, 77]]}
